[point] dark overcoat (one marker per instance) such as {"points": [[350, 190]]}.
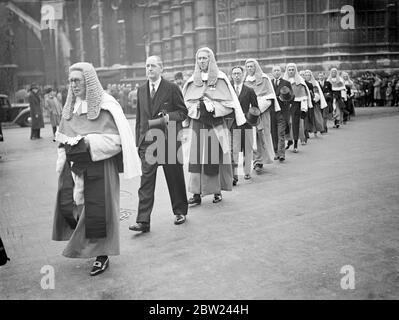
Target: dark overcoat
{"points": [[36, 112]]}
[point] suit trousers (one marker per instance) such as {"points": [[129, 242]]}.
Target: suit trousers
{"points": [[295, 112], [176, 185], [35, 133], [326, 116], [279, 127]]}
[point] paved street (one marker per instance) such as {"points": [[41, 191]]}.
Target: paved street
{"points": [[285, 234]]}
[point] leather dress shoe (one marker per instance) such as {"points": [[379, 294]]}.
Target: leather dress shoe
{"points": [[247, 177], [140, 226], [281, 159], [180, 218], [100, 265], [258, 167], [195, 200], [289, 144], [217, 198]]}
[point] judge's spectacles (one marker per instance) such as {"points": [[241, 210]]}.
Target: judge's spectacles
{"points": [[77, 81]]}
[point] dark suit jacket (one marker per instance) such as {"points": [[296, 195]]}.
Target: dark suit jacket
{"points": [[168, 99], [327, 91], [247, 98], [326, 87], [284, 105]]}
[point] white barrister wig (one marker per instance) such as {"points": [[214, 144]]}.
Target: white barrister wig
{"points": [[337, 78], [94, 92], [213, 70], [258, 70], [297, 77]]}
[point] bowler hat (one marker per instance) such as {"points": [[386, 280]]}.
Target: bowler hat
{"points": [[253, 116], [286, 94]]}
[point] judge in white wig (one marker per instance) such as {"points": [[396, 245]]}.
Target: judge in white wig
{"points": [[319, 103], [96, 143], [350, 92], [302, 102], [209, 96], [263, 87], [339, 96]]}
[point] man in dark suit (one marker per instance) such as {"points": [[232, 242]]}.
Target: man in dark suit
{"points": [[242, 136], [160, 112], [326, 87], [280, 119]]}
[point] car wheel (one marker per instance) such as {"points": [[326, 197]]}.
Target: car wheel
{"points": [[26, 121]]}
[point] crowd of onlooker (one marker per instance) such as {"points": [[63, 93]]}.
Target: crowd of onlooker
{"points": [[371, 89], [125, 94], [21, 96]]}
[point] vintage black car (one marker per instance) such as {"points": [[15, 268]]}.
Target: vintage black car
{"points": [[18, 113]]}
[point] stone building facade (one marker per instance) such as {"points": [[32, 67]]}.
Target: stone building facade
{"points": [[316, 34], [117, 35]]}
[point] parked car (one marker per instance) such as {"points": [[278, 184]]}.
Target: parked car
{"points": [[18, 113]]}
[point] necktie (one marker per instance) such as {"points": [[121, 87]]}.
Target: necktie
{"points": [[277, 82], [153, 91], [238, 90]]}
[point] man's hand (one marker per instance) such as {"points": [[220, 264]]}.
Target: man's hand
{"points": [[164, 115], [209, 105]]}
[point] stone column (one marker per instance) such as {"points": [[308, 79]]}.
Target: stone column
{"points": [[122, 41], [101, 42], [247, 31], [188, 34], [205, 24], [166, 33], [80, 32], [177, 36], [95, 57], [155, 29], [113, 44]]}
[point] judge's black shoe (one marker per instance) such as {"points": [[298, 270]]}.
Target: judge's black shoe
{"points": [[195, 200], [289, 144], [180, 218], [217, 198], [99, 265], [258, 167], [282, 159], [140, 226]]}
